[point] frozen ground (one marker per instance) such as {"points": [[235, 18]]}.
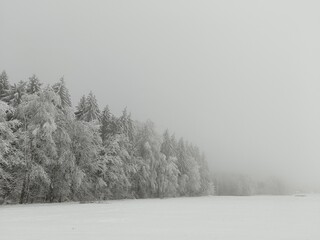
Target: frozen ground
{"points": [[221, 218]]}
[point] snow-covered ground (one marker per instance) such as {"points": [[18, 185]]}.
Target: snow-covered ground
{"points": [[221, 218]]}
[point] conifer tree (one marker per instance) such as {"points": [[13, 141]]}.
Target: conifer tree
{"points": [[4, 84], [167, 147], [125, 123], [63, 164], [119, 167], [106, 124], [33, 85], [86, 149], [88, 109], [167, 176], [81, 108], [148, 147], [13, 96], [168, 170], [61, 89], [10, 161], [207, 186], [37, 114], [189, 168]]}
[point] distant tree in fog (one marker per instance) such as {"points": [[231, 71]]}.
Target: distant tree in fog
{"points": [[243, 185]]}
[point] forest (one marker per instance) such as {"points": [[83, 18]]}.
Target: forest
{"points": [[51, 151]]}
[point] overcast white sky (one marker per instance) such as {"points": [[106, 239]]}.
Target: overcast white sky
{"points": [[239, 78]]}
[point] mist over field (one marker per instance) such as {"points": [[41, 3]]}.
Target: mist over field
{"points": [[239, 79]]}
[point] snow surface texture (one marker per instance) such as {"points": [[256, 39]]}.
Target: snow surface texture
{"points": [[236, 218]]}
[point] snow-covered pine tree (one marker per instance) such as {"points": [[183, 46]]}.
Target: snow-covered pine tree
{"points": [[167, 147], [207, 186], [106, 124], [86, 149], [148, 144], [167, 177], [4, 83], [37, 114], [81, 108], [119, 167], [10, 161], [126, 124], [88, 109], [183, 177], [192, 170], [172, 177], [59, 170], [118, 154], [168, 170], [13, 96], [33, 85], [92, 111], [189, 180], [174, 144], [63, 92]]}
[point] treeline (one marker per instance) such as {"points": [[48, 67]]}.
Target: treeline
{"points": [[50, 152], [232, 184]]}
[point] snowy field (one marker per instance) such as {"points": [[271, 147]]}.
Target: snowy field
{"points": [[221, 218]]}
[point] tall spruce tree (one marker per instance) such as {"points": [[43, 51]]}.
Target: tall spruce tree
{"points": [[106, 124], [126, 124], [92, 111], [88, 109], [86, 149], [37, 114], [148, 144], [81, 108], [63, 92], [4, 84], [33, 85], [119, 167], [10, 156], [168, 170], [167, 147], [13, 96]]}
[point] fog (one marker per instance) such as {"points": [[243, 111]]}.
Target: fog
{"points": [[238, 78]]}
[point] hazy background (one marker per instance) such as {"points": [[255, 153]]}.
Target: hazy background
{"points": [[239, 78]]}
